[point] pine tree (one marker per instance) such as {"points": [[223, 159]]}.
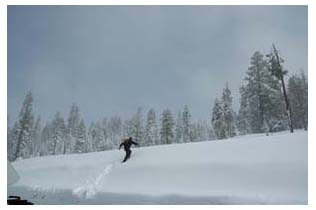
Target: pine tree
{"points": [[228, 113], [24, 128], [46, 136], [277, 70], [243, 117], [179, 129], [72, 129], [99, 143], [218, 120], [137, 129], [12, 136], [151, 131], [166, 131], [36, 138], [81, 141], [114, 128], [56, 143], [261, 98], [186, 124], [297, 92]]}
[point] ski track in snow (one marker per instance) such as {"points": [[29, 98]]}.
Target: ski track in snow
{"points": [[92, 187]]}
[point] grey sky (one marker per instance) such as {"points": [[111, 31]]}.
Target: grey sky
{"points": [[110, 59]]}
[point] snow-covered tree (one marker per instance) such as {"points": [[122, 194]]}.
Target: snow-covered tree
{"points": [[36, 138], [46, 135], [72, 129], [114, 129], [276, 69], [229, 115], [98, 139], [151, 130], [186, 124], [179, 129], [81, 145], [243, 117], [298, 97], [137, 128], [24, 128], [167, 124], [218, 120], [56, 141], [12, 137], [262, 98]]}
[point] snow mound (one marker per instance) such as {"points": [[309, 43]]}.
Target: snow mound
{"points": [[253, 169]]}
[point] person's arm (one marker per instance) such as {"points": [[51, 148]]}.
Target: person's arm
{"points": [[135, 143], [121, 145]]}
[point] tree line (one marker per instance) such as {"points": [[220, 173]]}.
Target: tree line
{"points": [[27, 138], [262, 109]]}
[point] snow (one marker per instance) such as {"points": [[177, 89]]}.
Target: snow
{"points": [[252, 169]]}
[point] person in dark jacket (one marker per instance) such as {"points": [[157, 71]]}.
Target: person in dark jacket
{"points": [[127, 143]]}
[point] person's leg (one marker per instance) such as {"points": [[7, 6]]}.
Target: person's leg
{"points": [[129, 152], [126, 156]]}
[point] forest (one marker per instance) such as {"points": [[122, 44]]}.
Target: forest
{"points": [[270, 100]]}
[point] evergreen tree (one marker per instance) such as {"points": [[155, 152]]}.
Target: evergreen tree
{"points": [[179, 129], [72, 129], [166, 131], [99, 143], [276, 69], [186, 124], [36, 138], [114, 131], [298, 94], [137, 129], [228, 113], [261, 94], [151, 131], [46, 136], [56, 141], [82, 145], [12, 136], [243, 115], [218, 120], [24, 128]]}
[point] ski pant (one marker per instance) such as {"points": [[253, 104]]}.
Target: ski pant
{"points": [[128, 154]]}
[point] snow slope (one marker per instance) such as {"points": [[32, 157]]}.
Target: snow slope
{"points": [[253, 169]]}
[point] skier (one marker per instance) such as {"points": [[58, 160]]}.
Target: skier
{"points": [[127, 147]]}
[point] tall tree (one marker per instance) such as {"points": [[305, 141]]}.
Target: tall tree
{"points": [[72, 129], [36, 138], [12, 137], [298, 94], [137, 128], [243, 117], [58, 135], [279, 72], [81, 145], [261, 94], [228, 113], [218, 120], [24, 128], [167, 124], [114, 128], [186, 124], [179, 129], [46, 136], [151, 130]]}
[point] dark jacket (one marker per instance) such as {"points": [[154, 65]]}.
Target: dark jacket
{"points": [[127, 143]]}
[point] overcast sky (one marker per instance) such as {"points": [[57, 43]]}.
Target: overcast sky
{"points": [[110, 60]]}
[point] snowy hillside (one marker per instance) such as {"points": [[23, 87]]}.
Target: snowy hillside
{"points": [[253, 169]]}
